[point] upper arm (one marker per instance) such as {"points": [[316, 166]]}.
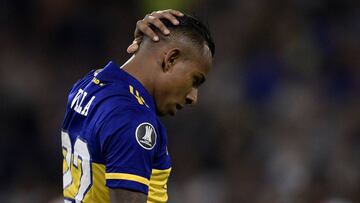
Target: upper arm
{"points": [[126, 196]]}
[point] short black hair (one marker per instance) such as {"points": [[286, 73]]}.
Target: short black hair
{"points": [[194, 29]]}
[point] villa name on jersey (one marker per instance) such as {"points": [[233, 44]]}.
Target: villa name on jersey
{"points": [[77, 103]]}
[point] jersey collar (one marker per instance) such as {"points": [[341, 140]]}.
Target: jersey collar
{"points": [[113, 73]]}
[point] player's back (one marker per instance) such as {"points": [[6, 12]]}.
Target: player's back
{"points": [[111, 138]]}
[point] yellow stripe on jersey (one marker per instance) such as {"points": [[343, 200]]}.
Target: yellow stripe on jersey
{"points": [[136, 94], [158, 186], [131, 89], [126, 176], [98, 192]]}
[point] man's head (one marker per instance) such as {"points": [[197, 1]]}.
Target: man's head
{"points": [[182, 60]]}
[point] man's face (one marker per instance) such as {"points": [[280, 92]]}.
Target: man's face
{"points": [[179, 85]]}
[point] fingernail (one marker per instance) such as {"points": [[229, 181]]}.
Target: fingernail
{"points": [[166, 32], [156, 38], [176, 22]]}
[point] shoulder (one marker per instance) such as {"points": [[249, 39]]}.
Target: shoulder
{"points": [[131, 114], [113, 97], [127, 122], [121, 103], [83, 81]]}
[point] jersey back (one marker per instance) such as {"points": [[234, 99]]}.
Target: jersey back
{"points": [[112, 138]]}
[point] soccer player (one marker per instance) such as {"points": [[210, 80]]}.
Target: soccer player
{"points": [[114, 145]]}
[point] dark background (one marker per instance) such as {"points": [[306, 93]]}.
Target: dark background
{"points": [[278, 120]]}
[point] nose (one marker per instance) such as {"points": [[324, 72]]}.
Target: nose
{"points": [[191, 98]]}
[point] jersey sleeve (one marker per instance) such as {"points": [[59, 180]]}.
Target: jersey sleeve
{"points": [[128, 143]]}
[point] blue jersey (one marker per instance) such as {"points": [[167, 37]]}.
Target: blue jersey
{"points": [[112, 138]]}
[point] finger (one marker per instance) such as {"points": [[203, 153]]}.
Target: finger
{"points": [[138, 40], [132, 48], [157, 22], [172, 11], [144, 28], [170, 17], [175, 12], [168, 14]]}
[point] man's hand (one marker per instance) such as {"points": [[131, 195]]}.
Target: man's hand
{"points": [[143, 26]]}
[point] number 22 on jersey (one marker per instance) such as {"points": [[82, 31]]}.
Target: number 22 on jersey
{"points": [[76, 168]]}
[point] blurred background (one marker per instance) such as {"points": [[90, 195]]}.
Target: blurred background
{"points": [[278, 120]]}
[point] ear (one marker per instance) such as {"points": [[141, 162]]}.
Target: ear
{"points": [[171, 58]]}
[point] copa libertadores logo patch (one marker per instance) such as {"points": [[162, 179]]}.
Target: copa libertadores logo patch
{"points": [[146, 135]]}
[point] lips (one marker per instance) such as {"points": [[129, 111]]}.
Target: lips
{"points": [[175, 108], [179, 106]]}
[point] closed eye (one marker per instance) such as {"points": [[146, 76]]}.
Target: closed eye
{"points": [[198, 80]]}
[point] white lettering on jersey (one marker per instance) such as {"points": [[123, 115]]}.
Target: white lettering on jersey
{"points": [[78, 100]]}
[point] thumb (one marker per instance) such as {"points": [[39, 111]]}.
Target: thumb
{"points": [[132, 48], [135, 45]]}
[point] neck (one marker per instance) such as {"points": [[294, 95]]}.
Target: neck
{"points": [[141, 70]]}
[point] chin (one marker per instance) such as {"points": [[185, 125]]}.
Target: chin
{"points": [[160, 113], [172, 113], [166, 111]]}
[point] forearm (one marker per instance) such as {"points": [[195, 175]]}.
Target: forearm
{"points": [[126, 196]]}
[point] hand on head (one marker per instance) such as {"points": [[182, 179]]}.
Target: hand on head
{"points": [[143, 26]]}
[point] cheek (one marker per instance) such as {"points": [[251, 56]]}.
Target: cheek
{"points": [[173, 87], [166, 89], [180, 87], [174, 92]]}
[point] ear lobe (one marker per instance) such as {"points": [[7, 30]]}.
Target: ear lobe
{"points": [[171, 58]]}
